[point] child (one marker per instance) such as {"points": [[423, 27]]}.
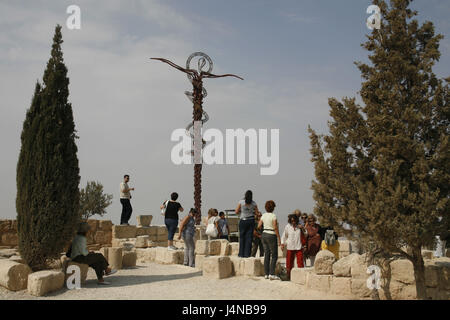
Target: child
{"points": [[223, 226], [295, 241]]}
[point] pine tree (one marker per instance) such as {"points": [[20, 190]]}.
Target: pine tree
{"points": [[384, 167], [47, 200]]}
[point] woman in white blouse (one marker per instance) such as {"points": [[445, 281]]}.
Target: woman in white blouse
{"points": [[293, 238]]}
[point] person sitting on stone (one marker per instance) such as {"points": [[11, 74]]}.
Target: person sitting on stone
{"points": [[80, 254]]}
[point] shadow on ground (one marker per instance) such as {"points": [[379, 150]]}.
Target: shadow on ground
{"points": [[118, 280]]}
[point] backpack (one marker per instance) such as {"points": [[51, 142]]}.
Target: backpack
{"points": [[211, 229], [330, 238]]}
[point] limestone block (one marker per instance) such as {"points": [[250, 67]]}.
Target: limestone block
{"points": [[318, 282], [234, 248], [17, 259], [105, 225], [201, 247], [94, 247], [354, 247], [123, 232], [93, 224], [225, 248], [5, 225], [144, 220], [84, 268], [324, 262], [342, 267], [101, 237], [407, 292], [431, 275], [104, 252], [214, 247], [43, 282], [358, 267], [142, 241], [237, 265], [217, 267], [253, 267], [165, 256], [360, 289], [433, 293], [146, 231], [443, 271], [115, 257], [8, 253], [162, 231], [161, 243], [341, 286], [162, 237], [199, 258], [129, 259], [151, 244], [300, 275], [402, 270], [10, 239], [444, 295], [127, 244], [344, 246], [13, 275], [146, 255], [427, 254]]}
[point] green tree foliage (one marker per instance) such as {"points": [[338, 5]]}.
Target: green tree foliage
{"points": [[47, 200], [384, 167], [93, 201]]}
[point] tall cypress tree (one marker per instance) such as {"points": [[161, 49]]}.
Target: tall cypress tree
{"points": [[384, 167], [47, 200]]}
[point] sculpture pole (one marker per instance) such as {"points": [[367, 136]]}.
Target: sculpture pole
{"points": [[196, 96]]}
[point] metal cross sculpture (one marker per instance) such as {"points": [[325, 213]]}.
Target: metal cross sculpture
{"points": [[196, 97]]}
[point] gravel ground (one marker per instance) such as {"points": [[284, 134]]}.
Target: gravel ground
{"points": [[153, 281]]}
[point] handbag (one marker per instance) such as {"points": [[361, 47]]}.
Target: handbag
{"points": [[163, 210], [211, 230]]}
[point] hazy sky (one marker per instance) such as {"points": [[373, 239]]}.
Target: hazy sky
{"points": [[293, 55]]}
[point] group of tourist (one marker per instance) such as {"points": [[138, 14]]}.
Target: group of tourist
{"points": [[302, 237]]}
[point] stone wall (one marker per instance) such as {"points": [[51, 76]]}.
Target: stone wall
{"points": [[99, 235], [8, 234], [348, 277]]}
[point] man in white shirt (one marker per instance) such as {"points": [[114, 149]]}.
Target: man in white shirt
{"points": [[125, 197]]}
